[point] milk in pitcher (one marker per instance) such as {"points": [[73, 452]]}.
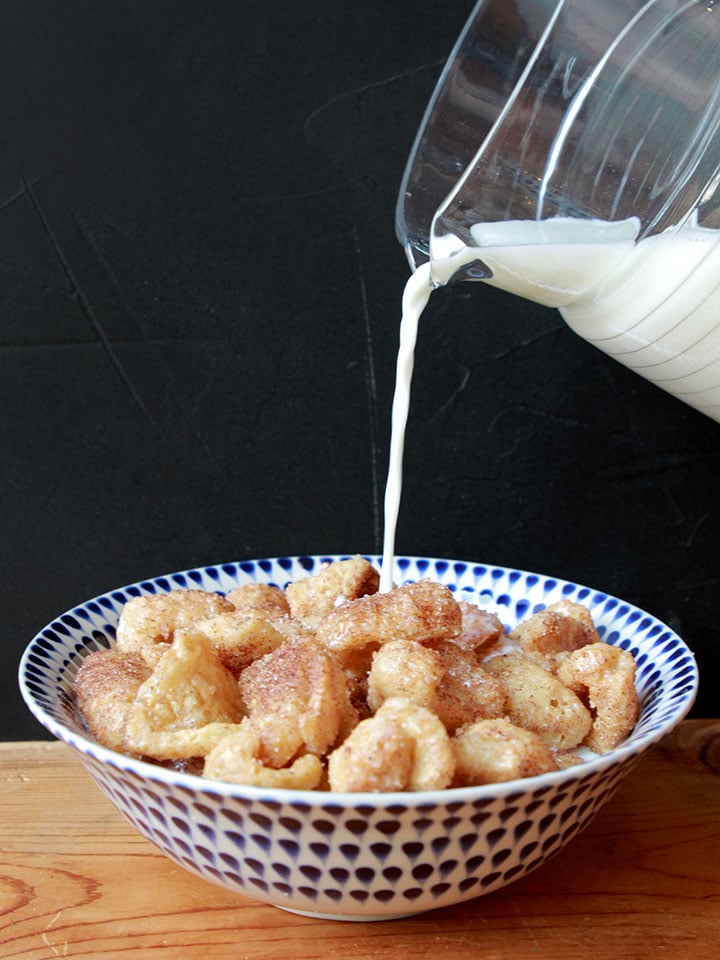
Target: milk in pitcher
{"points": [[653, 305]]}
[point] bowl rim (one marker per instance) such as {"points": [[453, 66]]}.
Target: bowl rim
{"points": [[89, 749]]}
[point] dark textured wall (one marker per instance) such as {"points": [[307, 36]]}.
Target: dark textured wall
{"points": [[199, 305]]}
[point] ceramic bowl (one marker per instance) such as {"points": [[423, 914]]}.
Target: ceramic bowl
{"points": [[362, 856]]}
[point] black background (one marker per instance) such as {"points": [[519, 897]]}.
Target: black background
{"points": [[200, 290]]}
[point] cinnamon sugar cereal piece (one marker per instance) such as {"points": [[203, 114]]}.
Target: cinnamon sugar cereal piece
{"points": [[106, 685], [189, 700], [314, 597], [560, 627], [240, 637], [290, 627], [466, 691], [180, 746], [439, 676], [495, 751], [297, 700], [604, 676], [434, 764], [147, 625], [377, 756], [403, 668], [566, 759], [261, 599], [400, 733], [237, 758], [419, 611], [539, 702], [577, 611], [480, 627]]}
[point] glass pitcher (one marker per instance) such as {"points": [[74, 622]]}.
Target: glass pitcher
{"points": [[571, 154]]}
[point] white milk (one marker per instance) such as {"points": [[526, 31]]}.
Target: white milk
{"points": [[653, 305], [415, 297]]}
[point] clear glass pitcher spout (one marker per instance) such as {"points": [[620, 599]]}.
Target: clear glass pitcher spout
{"points": [[571, 154]]}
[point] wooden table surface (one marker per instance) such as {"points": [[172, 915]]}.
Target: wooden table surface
{"points": [[643, 881]]}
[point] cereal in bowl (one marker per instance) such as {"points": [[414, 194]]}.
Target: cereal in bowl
{"points": [[329, 684]]}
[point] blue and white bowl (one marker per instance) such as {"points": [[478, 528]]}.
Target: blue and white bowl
{"points": [[362, 856]]}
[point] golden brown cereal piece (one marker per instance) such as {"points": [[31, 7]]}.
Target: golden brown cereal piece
{"points": [[577, 611], [240, 637], [147, 625], [466, 691], [377, 756], [261, 599], [560, 627], [297, 699], [434, 763], [419, 611], [105, 687], [480, 627], [176, 746], [237, 758], [604, 676], [183, 706], [539, 702], [495, 751], [290, 627], [565, 759], [314, 597], [403, 668]]}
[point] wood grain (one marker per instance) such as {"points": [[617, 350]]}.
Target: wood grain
{"points": [[643, 881]]}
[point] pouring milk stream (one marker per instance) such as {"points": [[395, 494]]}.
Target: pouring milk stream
{"points": [[571, 155]]}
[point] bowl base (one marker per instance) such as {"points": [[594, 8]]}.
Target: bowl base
{"points": [[350, 918]]}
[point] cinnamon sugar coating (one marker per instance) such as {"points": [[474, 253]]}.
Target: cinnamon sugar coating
{"points": [[314, 597], [329, 684]]}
